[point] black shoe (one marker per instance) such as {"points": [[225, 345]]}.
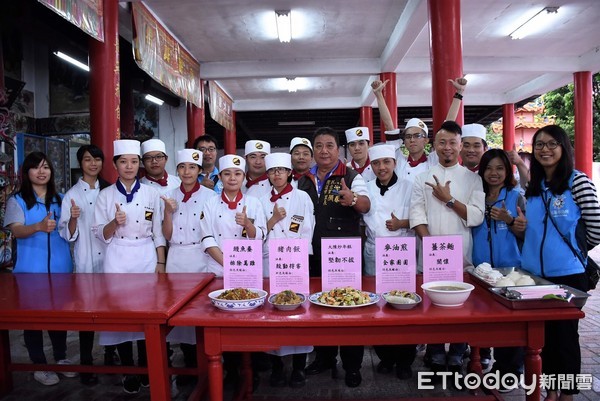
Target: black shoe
{"points": [[319, 366], [353, 378], [384, 368], [297, 379], [404, 373], [277, 378], [144, 381], [89, 379], [131, 384]]}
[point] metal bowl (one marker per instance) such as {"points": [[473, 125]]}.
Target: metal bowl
{"points": [[287, 307], [397, 302]]}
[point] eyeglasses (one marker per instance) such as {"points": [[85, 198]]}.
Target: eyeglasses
{"points": [[209, 149], [157, 158], [277, 170], [539, 145], [408, 137]]}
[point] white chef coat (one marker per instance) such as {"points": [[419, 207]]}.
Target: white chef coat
{"points": [[404, 170], [132, 248], [89, 251], [185, 247], [299, 210], [367, 174], [257, 190], [173, 182], [218, 224], [395, 200], [466, 187]]}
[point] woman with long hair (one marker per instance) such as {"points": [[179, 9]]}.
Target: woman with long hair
{"points": [[559, 199], [31, 216]]}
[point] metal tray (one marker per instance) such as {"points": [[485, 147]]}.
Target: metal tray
{"points": [[577, 300], [505, 271]]}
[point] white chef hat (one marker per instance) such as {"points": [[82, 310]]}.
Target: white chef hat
{"points": [[474, 130], [126, 147], [381, 151], [415, 122], [357, 134], [232, 161], [278, 160], [153, 145], [255, 146], [189, 156], [300, 141]]}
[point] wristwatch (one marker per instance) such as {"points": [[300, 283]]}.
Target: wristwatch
{"points": [[354, 199], [450, 203]]}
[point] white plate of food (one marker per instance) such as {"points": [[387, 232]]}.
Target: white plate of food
{"points": [[344, 298], [238, 299], [402, 299]]}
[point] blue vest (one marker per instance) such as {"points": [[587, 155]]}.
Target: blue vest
{"points": [[34, 253], [494, 243], [545, 253]]}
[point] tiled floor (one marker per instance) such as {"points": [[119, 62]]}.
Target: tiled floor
{"points": [[374, 386]]}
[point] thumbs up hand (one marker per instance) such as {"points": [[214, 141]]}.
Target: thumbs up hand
{"points": [[48, 224], [120, 216], [75, 210], [459, 84], [393, 224], [278, 213], [241, 218], [346, 195], [501, 214], [520, 222], [514, 157], [170, 204]]}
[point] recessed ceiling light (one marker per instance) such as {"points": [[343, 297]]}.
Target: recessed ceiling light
{"points": [[536, 23], [284, 25]]}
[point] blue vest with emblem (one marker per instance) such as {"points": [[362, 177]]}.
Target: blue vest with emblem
{"points": [[42, 252], [493, 242], [545, 253]]}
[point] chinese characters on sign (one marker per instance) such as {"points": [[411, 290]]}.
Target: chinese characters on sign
{"points": [[242, 263], [341, 263], [442, 258], [288, 265], [396, 264]]}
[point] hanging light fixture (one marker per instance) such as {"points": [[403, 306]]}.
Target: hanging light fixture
{"points": [[154, 100], [71, 60], [284, 25], [536, 23]]}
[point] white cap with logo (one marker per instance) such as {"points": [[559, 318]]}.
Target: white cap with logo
{"points": [[153, 145], [357, 134], [189, 156], [300, 141], [415, 122], [255, 146], [232, 161], [278, 160], [474, 130], [381, 151], [126, 147]]}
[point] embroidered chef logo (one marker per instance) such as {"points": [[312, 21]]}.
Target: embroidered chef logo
{"points": [[421, 124], [259, 145], [236, 161], [195, 156], [305, 141], [148, 215], [359, 132], [559, 202], [295, 223]]}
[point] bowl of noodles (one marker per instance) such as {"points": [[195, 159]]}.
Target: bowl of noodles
{"points": [[238, 299], [287, 300]]}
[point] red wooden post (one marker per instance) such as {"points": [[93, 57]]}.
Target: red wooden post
{"points": [[508, 126], [230, 138], [366, 120], [391, 99], [584, 137]]}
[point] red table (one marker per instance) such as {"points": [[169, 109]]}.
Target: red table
{"points": [[96, 302], [482, 321]]}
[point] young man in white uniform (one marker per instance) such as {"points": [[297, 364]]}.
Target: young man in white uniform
{"points": [[232, 215], [473, 145], [256, 183], [154, 157], [358, 144]]}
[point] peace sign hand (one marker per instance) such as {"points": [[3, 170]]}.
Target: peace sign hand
{"points": [[441, 192]]}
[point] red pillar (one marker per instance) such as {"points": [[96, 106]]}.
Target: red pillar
{"points": [[446, 56], [391, 98], [366, 120], [104, 88], [508, 126], [230, 138], [584, 138]]}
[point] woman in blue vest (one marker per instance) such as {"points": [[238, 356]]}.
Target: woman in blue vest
{"points": [[558, 198], [495, 240], [31, 216]]}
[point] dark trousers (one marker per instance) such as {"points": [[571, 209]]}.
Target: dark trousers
{"points": [[298, 362], [126, 353], [437, 352], [86, 344], [351, 355], [34, 341], [401, 355], [509, 360], [189, 355]]}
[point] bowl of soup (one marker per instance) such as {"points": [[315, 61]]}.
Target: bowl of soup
{"points": [[447, 293]]}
